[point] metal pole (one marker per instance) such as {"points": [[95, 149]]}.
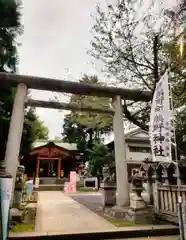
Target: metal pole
{"points": [[180, 211], [180, 218]]}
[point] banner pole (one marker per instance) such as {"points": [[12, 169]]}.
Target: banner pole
{"points": [[174, 135], [180, 207]]}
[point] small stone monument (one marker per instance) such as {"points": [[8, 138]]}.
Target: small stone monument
{"points": [[19, 186]]}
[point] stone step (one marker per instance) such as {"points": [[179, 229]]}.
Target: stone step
{"points": [[49, 181], [50, 187], [16, 215]]}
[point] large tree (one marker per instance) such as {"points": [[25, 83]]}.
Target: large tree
{"points": [[99, 156], [136, 44], [10, 14], [134, 50], [10, 29], [85, 128], [74, 133], [33, 129]]}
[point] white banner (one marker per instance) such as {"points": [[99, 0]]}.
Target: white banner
{"points": [[160, 122]]}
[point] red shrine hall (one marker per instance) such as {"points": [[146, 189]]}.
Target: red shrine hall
{"points": [[52, 159]]}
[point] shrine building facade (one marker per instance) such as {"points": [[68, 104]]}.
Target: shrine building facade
{"points": [[53, 159], [137, 147]]}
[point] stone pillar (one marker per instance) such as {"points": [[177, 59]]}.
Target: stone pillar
{"points": [[15, 132], [165, 176], [150, 185], [177, 176], [122, 198], [59, 168], [37, 167], [156, 194], [108, 190]]}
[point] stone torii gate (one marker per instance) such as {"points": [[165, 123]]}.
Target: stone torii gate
{"points": [[22, 83]]}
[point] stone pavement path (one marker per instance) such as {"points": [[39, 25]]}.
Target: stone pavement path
{"points": [[58, 213]]}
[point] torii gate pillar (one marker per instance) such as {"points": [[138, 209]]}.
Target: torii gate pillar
{"points": [[122, 198], [15, 132]]}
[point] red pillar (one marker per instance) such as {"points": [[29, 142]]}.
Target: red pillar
{"points": [[59, 168], [37, 167]]}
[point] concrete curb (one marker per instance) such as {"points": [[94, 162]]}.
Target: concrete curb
{"points": [[130, 233]]}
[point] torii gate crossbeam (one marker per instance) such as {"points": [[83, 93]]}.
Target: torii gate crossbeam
{"points": [[57, 85]]}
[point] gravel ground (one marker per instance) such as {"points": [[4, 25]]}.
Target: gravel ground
{"points": [[92, 202]]}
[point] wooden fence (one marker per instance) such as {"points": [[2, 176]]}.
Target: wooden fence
{"points": [[166, 200]]}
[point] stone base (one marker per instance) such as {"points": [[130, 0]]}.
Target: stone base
{"points": [[140, 216], [16, 215], [108, 194], [29, 214], [117, 212], [136, 202], [26, 215]]}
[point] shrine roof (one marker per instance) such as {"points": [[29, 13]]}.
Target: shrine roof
{"points": [[134, 135], [68, 146]]}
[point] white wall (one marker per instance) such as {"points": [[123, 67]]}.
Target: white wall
{"points": [[136, 156]]}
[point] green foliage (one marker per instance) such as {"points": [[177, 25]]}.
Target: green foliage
{"points": [[33, 129], [99, 122], [9, 14], [74, 133], [40, 129], [10, 29], [181, 132], [23, 227], [99, 156], [85, 128]]}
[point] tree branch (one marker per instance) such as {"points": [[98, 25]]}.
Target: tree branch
{"points": [[132, 118]]}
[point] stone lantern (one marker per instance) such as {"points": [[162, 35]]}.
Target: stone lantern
{"points": [[136, 201], [138, 212]]}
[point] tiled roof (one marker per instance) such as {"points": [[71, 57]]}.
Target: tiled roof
{"points": [[131, 134], [68, 146]]}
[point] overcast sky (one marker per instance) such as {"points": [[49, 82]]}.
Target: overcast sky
{"points": [[54, 44]]}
